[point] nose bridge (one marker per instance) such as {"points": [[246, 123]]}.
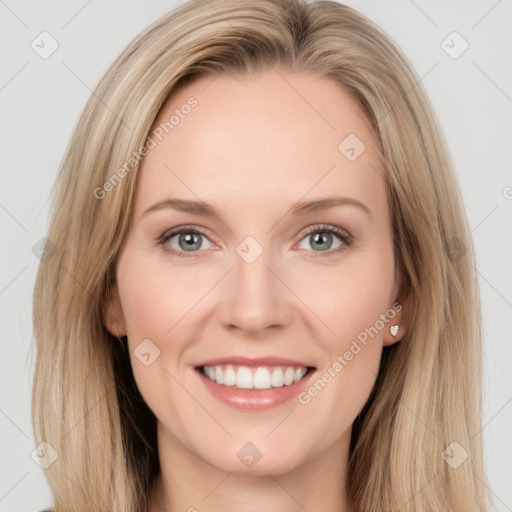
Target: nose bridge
{"points": [[256, 297]]}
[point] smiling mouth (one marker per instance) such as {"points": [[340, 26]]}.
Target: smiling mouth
{"points": [[255, 378]]}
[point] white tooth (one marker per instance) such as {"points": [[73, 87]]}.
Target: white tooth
{"points": [[244, 377], [229, 377], [298, 375], [288, 376], [261, 379], [277, 378]]}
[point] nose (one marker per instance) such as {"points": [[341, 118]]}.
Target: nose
{"points": [[255, 296]]}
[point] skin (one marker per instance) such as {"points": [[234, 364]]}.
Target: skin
{"points": [[251, 147]]}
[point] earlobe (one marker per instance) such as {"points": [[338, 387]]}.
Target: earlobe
{"points": [[389, 338], [397, 326], [396, 329], [113, 317]]}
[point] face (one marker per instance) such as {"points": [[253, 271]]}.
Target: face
{"points": [[263, 278]]}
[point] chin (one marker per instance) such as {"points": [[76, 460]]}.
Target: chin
{"points": [[248, 459]]}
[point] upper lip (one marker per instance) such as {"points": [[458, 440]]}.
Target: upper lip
{"points": [[254, 361]]}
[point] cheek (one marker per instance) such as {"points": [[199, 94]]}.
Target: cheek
{"points": [[353, 302], [350, 298], [159, 303], [155, 295], [153, 302]]}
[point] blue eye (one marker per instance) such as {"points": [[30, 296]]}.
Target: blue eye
{"points": [[321, 237], [189, 240]]}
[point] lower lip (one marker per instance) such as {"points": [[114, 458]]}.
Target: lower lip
{"points": [[253, 399]]}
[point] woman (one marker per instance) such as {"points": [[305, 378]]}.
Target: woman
{"points": [[247, 136]]}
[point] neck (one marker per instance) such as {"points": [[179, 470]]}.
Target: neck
{"points": [[188, 483]]}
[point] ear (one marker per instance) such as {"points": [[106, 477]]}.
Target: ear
{"points": [[402, 311], [113, 317]]}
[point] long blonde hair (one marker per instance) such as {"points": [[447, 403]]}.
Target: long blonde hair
{"points": [[425, 408]]}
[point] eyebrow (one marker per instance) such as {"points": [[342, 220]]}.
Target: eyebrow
{"points": [[299, 208]]}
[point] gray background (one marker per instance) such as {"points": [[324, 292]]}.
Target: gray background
{"points": [[40, 102]]}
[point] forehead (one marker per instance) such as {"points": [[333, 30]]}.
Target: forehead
{"points": [[262, 136]]}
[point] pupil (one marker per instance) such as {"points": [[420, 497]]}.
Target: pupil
{"points": [[191, 239], [322, 237]]}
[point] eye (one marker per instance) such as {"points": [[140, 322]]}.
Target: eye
{"points": [[187, 241], [323, 239]]}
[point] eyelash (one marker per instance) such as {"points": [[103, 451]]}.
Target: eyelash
{"points": [[164, 238]]}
